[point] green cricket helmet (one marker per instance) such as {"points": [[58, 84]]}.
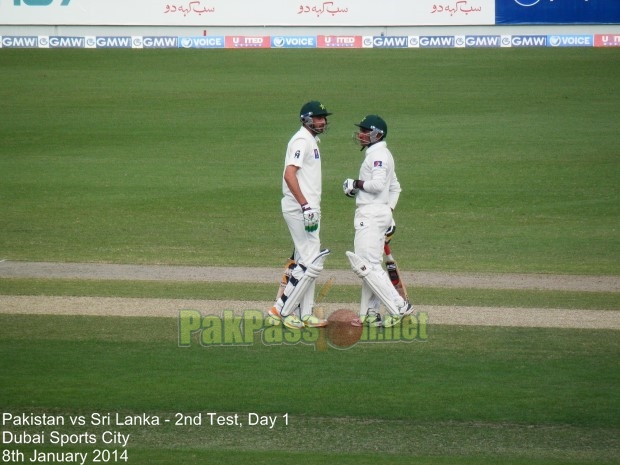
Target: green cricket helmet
{"points": [[310, 110], [376, 125], [313, 108]]}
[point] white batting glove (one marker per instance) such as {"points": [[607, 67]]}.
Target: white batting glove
{"points": [[348, 188], [311, 218]]}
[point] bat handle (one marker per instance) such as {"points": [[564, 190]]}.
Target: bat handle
{"points": [[388, 251]]}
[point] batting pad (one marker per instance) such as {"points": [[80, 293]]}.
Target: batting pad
{"points": [[379, 286], [298, 291]]}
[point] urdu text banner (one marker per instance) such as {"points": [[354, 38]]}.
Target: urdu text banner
{"points": [[205, 13]]}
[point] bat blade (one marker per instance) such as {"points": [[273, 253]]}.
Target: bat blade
{"points": [[286, 274], [394, 273], [325, 289]]}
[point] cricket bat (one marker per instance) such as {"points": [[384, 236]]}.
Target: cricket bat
{"points": [[324, 290], [286, 275], [394, 273]]}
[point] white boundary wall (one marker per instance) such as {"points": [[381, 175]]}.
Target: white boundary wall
{"points": [[99, 30], [257, 13], [272, 20]]}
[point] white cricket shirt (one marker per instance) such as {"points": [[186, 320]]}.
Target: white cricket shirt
{"points": [[381, 185], [303, 151]]}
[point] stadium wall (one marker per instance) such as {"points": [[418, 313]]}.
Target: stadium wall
{"points": [[307, 23]]}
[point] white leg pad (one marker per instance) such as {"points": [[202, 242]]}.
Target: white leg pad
{"points": [[368, 301], [374, 281], [298, 290]]}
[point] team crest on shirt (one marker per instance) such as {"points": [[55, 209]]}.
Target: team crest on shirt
{"points": [[378, 164], [297, 154], [316, 154]]}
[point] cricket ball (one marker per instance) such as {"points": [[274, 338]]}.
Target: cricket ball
{"points": [[341, 333]]}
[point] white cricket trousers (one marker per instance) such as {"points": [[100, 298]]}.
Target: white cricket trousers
{"points": [[371, 223], [307, 246]]}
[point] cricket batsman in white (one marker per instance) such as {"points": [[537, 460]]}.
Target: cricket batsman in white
{"points": [[376, 191], [301, 208]]}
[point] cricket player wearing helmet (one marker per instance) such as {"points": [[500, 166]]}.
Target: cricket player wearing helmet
{"points": [[301, 208], [376, 191]]}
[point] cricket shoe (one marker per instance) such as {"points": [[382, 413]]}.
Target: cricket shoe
{"points": [[274, 316], [272, 320], [393, 320], [371, 319], [291, 321], [405, 310], [311, 321]]}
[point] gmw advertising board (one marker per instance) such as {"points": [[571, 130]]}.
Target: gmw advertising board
{"points": [[342, 42]]}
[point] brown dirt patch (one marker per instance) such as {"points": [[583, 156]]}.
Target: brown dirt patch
{"points": [[478, 316]]}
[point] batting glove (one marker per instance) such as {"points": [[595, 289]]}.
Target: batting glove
{"points": [[390, 232], [348, 186], [311, 218]]}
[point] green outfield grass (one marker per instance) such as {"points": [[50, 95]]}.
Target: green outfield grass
{"points": [[466, 395], [508, 158]]}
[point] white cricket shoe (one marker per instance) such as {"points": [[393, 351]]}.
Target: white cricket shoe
{"points": [[274, 313], [372, 319], [293, 322], [393, 320], [405, 310], [311, 321]]}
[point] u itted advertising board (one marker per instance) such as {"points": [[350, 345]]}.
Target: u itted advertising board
{"points": [[248, 13]]}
